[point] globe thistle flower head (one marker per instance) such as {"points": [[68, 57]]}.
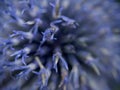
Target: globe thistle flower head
{"points": [[58, 45]]}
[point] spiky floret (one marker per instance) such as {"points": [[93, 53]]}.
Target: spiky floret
{"points": [[63, 45]]}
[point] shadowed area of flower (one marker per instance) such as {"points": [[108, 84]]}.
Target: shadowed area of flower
{"points": [[59, 44]]}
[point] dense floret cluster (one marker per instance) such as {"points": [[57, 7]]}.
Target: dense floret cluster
{"points": [[59, 44]]}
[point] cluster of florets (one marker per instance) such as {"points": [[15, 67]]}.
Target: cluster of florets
{"points": [[64, 45]]}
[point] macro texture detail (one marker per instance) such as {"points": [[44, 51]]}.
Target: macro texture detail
{"points": [[59, 44]]}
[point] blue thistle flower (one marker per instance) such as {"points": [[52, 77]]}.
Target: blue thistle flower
{"points": [[58, 44]]}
